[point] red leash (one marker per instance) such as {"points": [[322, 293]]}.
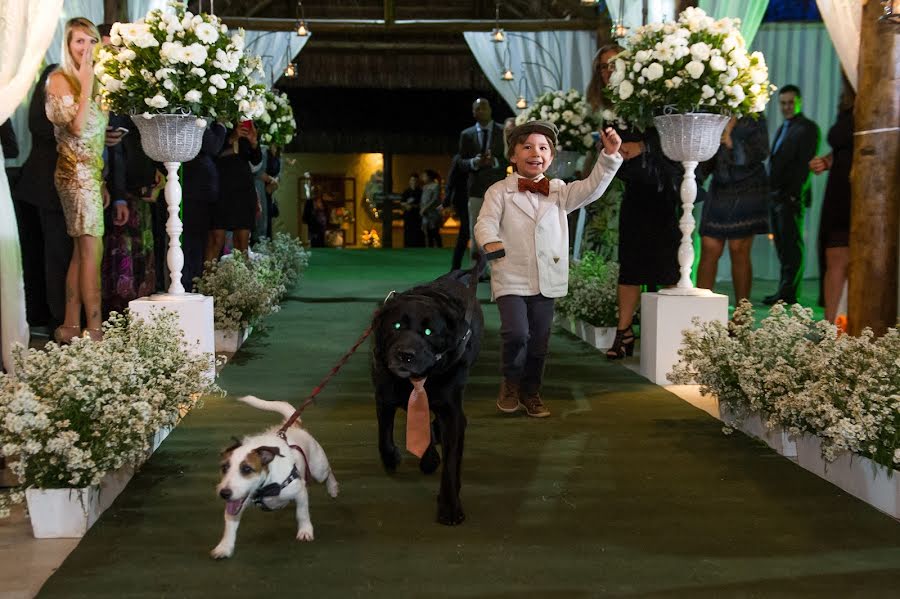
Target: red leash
{"points": [[312, 396]]}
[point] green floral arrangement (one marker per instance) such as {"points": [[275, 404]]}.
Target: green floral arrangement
{"points": [[179, 63], [276, 125], [694, 64], [75, 412], [245, 291], [593, 283], [290, 257], [571, 114], [802, 375]]}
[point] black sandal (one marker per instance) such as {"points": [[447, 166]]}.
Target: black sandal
{"points": [[623, 345]]}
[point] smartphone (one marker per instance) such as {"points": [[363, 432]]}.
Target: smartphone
{"points": [[246, 124], [596, 136]]}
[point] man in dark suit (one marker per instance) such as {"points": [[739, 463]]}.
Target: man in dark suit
{"points": [[46, 246], [482, 156], [795, 145]]}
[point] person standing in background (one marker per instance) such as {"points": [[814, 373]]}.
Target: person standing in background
{"points": [[795, 145], [46, 247], [482, 156], [80, 130], [834, 227]]}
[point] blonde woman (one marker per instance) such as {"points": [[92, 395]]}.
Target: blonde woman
{"points": [[79, 125]]}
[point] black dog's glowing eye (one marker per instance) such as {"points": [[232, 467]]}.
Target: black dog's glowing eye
{"points": [[396, 325], [428, 331]]}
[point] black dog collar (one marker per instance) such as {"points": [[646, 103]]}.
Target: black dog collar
{"points": [[275, 489]]}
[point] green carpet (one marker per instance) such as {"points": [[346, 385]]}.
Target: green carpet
{"points": [[625, 491]]}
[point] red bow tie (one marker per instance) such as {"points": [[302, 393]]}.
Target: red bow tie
{"points": [[542, 187]]}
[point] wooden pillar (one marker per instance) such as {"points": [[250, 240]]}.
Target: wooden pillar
{"points": [[115, 10], [387, 208], [875, 179]]}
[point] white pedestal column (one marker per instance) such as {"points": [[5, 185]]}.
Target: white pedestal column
{"points": [[195, 319], [663, 318]]}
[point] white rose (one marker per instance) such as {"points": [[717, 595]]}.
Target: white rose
{"points": [[676, 81], [237, 40], [700, 51], [620, 65], [207, 33], [654, 71], [758, 76], [200, 122], [642, 56], [115, 39], [636, 67], [198, 71], [616, 78], [625, 90], [156, 101], [168, 84], [641, 80], [195, 53], [695, 69], [212, 90], [193, 96], [707, 92], [127, 55], [146, 41], [577, 120], [218, 81], [717, 63]]}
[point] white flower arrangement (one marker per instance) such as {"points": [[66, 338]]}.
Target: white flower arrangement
{"points": [[276, 124], [695, 64], [246, 290], [178, 62], [73, 413], [593, 283], [804, 376], [571, 114]]}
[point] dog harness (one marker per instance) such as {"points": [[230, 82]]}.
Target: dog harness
{"points": [[275, 489]]}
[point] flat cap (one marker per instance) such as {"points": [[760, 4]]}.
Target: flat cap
{"points": [[526, 129]]}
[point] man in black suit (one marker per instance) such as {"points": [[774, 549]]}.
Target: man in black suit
{"points": [[46, 245], [795, 145], [482, 156]]}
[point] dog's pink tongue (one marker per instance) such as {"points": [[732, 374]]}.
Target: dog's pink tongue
{"points": [[233, 507]]}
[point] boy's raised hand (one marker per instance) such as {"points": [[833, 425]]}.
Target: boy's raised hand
{"points": [[611, 141]]}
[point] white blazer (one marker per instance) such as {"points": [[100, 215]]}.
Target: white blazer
{"points": [[536, 244]]}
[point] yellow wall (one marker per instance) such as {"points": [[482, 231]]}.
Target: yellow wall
{"points": [[359, 166]]}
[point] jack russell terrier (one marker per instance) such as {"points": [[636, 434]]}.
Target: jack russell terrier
{"points": [[270, 472]]}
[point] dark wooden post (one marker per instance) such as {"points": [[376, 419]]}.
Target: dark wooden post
{"points": [[387, 208], [875, 179], [115, 10]]}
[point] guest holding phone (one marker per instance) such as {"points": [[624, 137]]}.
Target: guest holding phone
{"points": [[238, 201]]}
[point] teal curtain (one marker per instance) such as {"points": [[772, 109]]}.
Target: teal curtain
{"points": [[750, 12]]}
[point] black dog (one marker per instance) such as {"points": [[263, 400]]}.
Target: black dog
{"points": [[434, 332]]}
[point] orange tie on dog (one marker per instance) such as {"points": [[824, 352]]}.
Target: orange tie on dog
{"points": [[542, 187], [418, 425]]}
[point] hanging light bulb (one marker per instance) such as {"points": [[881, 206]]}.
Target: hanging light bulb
{"points": [[497, 35], [302, 29], [619, 30], [521, 103], [290, 70], [507, 74]]}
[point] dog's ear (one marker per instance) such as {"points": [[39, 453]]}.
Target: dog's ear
{"points": [[232, 447], [267, 454]]}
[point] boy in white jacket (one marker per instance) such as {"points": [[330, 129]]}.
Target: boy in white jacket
{"points": [[525, 215]]}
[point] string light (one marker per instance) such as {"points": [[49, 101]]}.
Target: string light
{"points": [[507, 75], [302, 29], [497, 35], [521, 103]]}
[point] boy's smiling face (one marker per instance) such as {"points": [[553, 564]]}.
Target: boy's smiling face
{"points": [[533, 156]]}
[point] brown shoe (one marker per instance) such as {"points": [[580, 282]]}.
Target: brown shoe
{"points": [[534, 407], [508, 401]]}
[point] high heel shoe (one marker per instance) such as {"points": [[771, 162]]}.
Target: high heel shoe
{"points": [[64, 334], [95, 334], [622, 346]]}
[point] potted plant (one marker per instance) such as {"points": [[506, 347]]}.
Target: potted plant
{"points": [[590, 306], [77, 420], [687, 78], [173, 72], [573, 117], [277, 125]]}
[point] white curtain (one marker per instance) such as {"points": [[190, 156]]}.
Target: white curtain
{"points": [[843, 20], [93, 10], [540, 61], [277, 49], [657, 11], [750, 12], [137, 9], [25, 30], [801, 54]]}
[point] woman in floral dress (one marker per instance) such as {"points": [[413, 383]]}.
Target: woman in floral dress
{"points": [[79, 125]]}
